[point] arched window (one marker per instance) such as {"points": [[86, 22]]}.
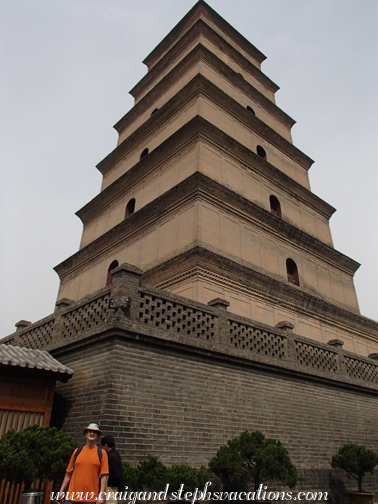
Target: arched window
{"points": [[251, 110], [109, 278], [292, 272], [154, 111], [144, 153], [130, 207], [275, 206], [261, 152]]}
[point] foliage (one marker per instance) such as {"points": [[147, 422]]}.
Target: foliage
{"points": [[252, 457], [131, 477], [34, 453], [190, 477], [153, 475], [356, 460]]}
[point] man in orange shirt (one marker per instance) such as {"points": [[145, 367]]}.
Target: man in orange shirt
{"points": [[87, 471]]}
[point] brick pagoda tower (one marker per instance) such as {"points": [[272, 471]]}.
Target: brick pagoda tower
{"points": [[208, 196]]}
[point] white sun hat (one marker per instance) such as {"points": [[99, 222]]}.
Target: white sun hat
{"points": [[94, 427]]}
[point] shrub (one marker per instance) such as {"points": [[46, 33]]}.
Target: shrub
{"points": [[190, 477], [151, 474], [252, 457], [34, 453], [131, 477]]}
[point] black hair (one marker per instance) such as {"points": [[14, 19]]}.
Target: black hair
{"points": [[108, 440]]}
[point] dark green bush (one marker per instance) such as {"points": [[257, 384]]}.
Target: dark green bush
{"points": [[190, 477], [131, 477], [34, 453], [151, 474]]}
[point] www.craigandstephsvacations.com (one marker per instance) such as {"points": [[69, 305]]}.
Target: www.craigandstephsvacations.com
{"points": [[261, 494]]}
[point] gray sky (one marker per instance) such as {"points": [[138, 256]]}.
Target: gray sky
{"points": [[67, 67]]}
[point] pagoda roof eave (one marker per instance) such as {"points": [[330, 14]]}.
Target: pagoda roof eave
{"points": [[201, 8], [200, 27], [202, 53]]}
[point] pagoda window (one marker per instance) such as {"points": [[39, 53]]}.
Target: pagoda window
{"points": [[144, 153], [275, 206], [250, 109], [261, 152], [109, 278], [130, 208], [292, 272]]}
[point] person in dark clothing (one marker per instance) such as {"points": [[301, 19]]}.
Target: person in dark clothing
{"points": [[115, 481]]}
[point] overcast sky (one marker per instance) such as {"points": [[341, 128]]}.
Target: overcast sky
{"points": [[67, 67]]}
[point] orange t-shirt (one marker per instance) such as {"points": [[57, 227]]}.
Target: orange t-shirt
{"points": [[84, 484]]}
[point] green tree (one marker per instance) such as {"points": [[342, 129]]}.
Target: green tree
{"points": [[356, 460], [34, 453], [253, 457]]}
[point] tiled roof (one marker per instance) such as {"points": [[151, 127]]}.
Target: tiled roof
{"points": [[32, 359]]}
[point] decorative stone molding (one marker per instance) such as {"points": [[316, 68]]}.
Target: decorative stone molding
{"points": [[22, 324], [338, 344], [63, 303], [288, 327], [219, 303]]}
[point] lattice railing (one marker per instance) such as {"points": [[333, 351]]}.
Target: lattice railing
{"points": [[162, 313], [316, 357], [77, 319], [39, 336], [174, 316], [361, 370], [85, 317], [256, 341], [8, 341]]}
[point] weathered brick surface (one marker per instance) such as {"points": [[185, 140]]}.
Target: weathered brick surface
{"points": [[182, 407]]}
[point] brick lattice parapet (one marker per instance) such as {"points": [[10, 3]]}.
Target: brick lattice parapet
{"points": [[139, 311]]}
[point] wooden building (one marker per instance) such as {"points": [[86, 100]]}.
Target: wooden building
{"points": [[27, 386]]}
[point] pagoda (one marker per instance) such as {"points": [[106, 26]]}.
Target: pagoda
{"points": [[207, 195]]}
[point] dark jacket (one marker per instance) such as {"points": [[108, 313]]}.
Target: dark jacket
{"points": [[115, 470]]}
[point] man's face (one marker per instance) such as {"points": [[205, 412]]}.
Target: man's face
{"points": [[91, 435]]}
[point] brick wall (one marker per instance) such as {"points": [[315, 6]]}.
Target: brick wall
{"points": [[181, 406]]}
